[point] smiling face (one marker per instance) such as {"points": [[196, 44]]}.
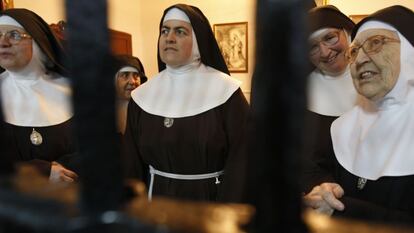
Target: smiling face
{"points": [[374, 75], [330, 48], [175, 43], [14, 56]]}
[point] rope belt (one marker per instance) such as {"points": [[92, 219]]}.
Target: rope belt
{"points": [[154, 171]]}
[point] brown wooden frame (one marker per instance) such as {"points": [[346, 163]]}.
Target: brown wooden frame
{"points": [[233, 43], [6, 4]]}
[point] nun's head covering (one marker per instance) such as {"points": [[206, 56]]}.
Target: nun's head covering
{"points": [[42, 35], [131, 61], [310, 4], [328, 17], [207, 44], [397, 16]]}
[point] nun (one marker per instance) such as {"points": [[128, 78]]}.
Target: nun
{"points": [[373, 142], [330, 91], [130, 75], [186, 126], [35, 95]]}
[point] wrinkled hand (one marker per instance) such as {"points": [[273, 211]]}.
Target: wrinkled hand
{"points": [[59, 173], [324, 198]]}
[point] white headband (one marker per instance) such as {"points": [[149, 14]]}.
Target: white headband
{"points": [[374, 24], [317, 33], [176, 14], [7, 20], [128, 69]]}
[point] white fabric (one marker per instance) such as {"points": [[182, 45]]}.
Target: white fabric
{"points": [[7, 20], [176, 14], [175, 94], [318, 32], [331, 95], [375, 139], [32, 98], [128, 69]]}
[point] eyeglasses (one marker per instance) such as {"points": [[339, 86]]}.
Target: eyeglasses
{"points": [[14, 36], [370, 46], [328, 40]]}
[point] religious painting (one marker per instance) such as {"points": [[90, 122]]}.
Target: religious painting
{"points": [[232, 41], [6, 4], [357, 18]]}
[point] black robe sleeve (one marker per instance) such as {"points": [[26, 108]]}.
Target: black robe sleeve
{"points": [[235, 114], [132, 163], [360, 209]]}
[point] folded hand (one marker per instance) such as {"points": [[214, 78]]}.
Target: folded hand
{"points": [[324, 198]]}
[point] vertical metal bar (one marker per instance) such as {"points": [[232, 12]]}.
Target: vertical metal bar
{"points": [[278, 106], [93, 83]]}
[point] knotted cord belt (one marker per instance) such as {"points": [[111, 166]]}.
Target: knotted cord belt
{"points": [[154, 171]]}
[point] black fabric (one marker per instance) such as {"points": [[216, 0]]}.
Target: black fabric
{"points": [[329, 17], [310, 4], [386, 200], [207, 44], [128, 60], [317, 163], [58, 145], [397, 16], [43, 35], [208, 142]]}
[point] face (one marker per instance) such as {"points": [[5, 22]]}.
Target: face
{"points": [[328, 51], [375, 73], [14, 54], [175, 43], [125, 83]]}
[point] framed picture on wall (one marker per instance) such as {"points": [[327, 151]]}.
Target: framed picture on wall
{"points": [[6, 4], [232, 40]]}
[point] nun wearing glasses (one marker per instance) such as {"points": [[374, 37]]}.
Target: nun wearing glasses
{"points": [[330, 90], [35, 97], [373, 176], [186, 126]]}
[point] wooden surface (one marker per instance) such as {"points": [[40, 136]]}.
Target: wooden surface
{"points": [[184, 216]]}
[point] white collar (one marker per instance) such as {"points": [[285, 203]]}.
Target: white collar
{"points": [[187, 92], [375, 139], [331, 95], [39, 102], [30, 97]]}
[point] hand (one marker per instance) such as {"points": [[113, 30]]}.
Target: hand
{"points": [[324, 198], [59, 173]]}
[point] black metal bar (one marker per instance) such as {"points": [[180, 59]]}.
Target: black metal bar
{"points": [[278, 106], [93, 83]]}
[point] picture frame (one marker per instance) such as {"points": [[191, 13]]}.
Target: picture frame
{"points": [[321, 2], [233, 44], [6, 4]]}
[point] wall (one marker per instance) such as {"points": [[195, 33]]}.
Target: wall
{"points": [[51, 14], [141, 19], [357, 7]]}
